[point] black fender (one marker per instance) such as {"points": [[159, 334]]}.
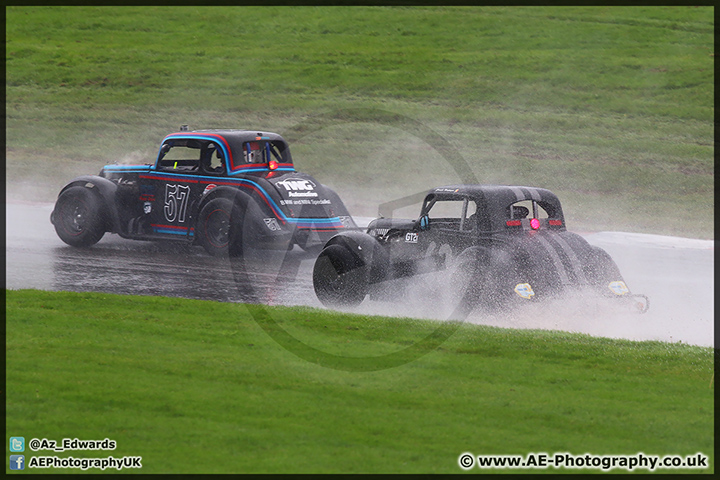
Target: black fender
{"points": [[597, 266], [494, 274], [553, 261], [231, 193], [105, 191], [600, 267], [604, 274], [367, 252], [482, 277]]}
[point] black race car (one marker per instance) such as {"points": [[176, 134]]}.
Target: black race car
{"points": [[222, 189], [496, 245]]}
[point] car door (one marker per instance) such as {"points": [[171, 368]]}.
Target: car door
{"points": [[176, 184]]}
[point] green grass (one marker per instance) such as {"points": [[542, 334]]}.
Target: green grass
{"points": [[611, 107], [200, 387]]}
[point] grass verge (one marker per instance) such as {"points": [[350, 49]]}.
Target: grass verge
{"points": [[199, 387]]}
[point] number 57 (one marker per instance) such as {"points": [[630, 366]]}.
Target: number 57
{"points": [[176, 197]]}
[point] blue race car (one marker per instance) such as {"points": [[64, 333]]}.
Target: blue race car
{"points": [[223, 189]]}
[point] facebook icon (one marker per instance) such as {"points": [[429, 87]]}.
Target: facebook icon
{"points": [[17, 462]]}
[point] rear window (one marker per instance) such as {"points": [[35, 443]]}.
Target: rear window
{"points": [[263, 152], [531, 214]]}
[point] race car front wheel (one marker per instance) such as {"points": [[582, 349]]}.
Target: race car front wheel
{"points": [[78, 217], [217, 228], [338, 278]]}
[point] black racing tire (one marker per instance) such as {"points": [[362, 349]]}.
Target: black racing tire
{"points": [[218, 228], [78, 217], [339, 279]]}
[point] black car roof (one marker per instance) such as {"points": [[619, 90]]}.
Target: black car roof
{"points": [[231, 134], [503, 193], [235, 140], [493, 200]]}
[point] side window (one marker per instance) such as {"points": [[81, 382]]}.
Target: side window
{"points": [[454, 214], [526, 209], [180, 156], [211, 160]]}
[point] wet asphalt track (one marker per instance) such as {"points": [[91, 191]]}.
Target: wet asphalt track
{"points": [[677, 275]]}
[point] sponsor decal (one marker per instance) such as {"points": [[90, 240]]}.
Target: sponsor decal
{"points": [[524, 290], [147, 193], [298, 187], [272, 224], [147, 207], [618, 288], [411, 237], [208, 188], [306, 201]]}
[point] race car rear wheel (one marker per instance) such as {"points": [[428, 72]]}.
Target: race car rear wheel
{"points": [[218, 226], [78, 217], [481, 279], [339, 279], [464, 283]]}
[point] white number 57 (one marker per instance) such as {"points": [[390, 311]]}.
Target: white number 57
{"points": [[176, 197]]}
